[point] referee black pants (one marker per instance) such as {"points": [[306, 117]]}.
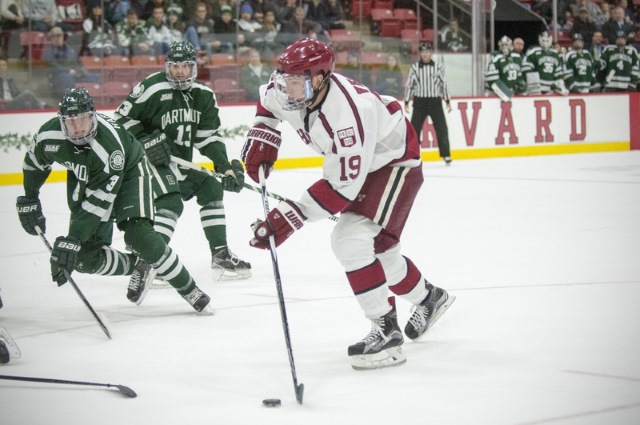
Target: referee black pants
{"points": [[431, 106]]}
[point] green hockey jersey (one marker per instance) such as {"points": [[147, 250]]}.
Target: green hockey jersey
{"points": [[547, 63], [95, 171], [189, 118], [619, 68], [506, 68], [580, 72]]}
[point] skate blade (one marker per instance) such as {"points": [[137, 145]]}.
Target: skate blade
{"points": [[14, 351], [160, 283], [220, 274], [208, 310], [441, 311], [388, 358], [438, 314]]}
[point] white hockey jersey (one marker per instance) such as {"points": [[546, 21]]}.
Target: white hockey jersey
{"points": [[356, 130]]}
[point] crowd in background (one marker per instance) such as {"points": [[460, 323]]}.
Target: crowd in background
{"points": [[243, 28]]}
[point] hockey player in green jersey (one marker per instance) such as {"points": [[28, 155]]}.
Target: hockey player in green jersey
{"points": [[544, 64], [619, 68], [108, 179], [505, 70], [171, 114], [580, 68]]}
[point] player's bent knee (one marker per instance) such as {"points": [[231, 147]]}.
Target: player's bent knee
{"points": [[144, 240], [209, 191], [170, 202]]}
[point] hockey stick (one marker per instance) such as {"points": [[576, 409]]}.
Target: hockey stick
{"points": [[123, 389], [298, 388], [75, 287], [191, 165]]}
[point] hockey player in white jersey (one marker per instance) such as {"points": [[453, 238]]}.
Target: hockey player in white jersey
{"points": [[371, 175]]}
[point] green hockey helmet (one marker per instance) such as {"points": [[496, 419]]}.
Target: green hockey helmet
{"points": [[77, 115], [181, 68]]}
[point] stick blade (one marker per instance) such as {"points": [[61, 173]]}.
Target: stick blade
{"points": [[299, 393], [126, 391]]}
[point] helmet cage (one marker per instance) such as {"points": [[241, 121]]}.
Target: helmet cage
{"points": [[505, 45], [79, 140], [545, 40], [293, 91], [181, 84]]}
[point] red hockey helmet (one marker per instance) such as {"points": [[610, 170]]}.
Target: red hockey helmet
{"points": [[307, 55]]}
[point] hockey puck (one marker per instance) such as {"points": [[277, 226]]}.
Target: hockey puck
{"points": [[271, 402]]}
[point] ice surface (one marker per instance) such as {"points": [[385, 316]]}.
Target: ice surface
{"points": [[543, 254]]}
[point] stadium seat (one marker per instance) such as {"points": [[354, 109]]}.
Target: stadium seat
{"points": [[360, 8], [407, 17], [33, 44], [228, 90], [343, 39]]}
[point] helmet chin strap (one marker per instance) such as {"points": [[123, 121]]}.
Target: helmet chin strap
{"points": [[317, 91]]}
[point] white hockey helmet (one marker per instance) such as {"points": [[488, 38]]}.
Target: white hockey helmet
{"points": [[545, 40], [505, 45]]}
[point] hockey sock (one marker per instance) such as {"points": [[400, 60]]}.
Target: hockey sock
{"points": [[214, 223], [106, 261]]}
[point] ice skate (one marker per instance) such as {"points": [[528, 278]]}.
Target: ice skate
{"points": [[140, 281], [425, 314], [382, 347], [447, 160], [199, 301], [227, 266], [8, 347]]}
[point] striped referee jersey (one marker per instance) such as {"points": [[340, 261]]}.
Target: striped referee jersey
{"points": [[426, 80]]}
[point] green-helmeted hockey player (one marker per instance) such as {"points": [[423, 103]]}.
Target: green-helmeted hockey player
{"points": [[171, 114], [108, 180], [580, 68], [504, 72], [619, 66], [545, 64]]}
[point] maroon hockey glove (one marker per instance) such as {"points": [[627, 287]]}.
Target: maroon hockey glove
{"points": [[282, 221], [261, 146]]}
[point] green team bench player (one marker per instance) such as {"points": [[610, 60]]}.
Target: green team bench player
{"points": [[171, 113], [108, 179]]}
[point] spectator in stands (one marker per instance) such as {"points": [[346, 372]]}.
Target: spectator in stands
{"points": [[253, 75], [149, 6], [11, 16], [40, 15], [265, 40], [226, 33], [260, 7], [454, 40], [597, 45], [390, 79], [298, 27], [204, 27], [355, 70], [159, 33], [617, 23], [97, 37], [131, 36], [65, 69], [593, 11], [604, 16], [115, 11], [11, 97], [246, 23], [518, 46], [215, 7], [328, 13], [584, 26], [179, 29], [285, 12], [629, 12]]}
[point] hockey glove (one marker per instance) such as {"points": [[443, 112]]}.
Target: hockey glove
{"points": [[281, 222], [233, 180], [30, 214], [64, 256], [157, 148], [261, 146]]}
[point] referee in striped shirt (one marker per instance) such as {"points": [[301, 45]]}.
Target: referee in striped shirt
{"points": [[427, 86]]}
